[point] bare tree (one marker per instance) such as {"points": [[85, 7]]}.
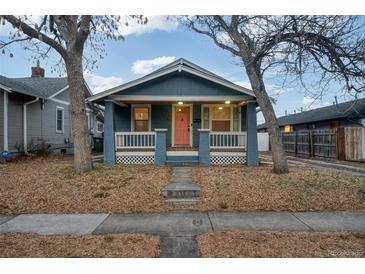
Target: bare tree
{"points": [[330, 47], [70, 37]]}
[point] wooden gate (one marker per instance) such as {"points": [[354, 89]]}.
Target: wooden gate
{"points": [[353, 144]]}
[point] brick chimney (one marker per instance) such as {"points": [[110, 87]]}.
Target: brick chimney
{"points": [[37, 71]]}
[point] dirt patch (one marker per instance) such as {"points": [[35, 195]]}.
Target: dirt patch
{"points": [[116, 246], [257, 188], [49, 185], [238, 244]]}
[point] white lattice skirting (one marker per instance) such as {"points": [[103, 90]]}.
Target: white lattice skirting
{"points": [[228, 160], [135, 160]]}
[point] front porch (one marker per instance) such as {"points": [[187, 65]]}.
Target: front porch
{"points": [[166, 141]]}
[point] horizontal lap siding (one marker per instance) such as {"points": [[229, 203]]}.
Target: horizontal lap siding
{"points": [[122, 118], [15, 122], [41, 125], [243, 118], [161, 118], [180, 84]]}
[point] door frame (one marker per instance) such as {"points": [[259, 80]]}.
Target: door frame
{"points": [[173, 107]]}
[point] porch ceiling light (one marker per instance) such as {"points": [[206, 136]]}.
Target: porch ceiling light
{"points": [[180, 103], [220, 108], [227, 102]]}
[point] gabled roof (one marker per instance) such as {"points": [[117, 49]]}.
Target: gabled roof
{"points": [[176, 66], [351, 110]]}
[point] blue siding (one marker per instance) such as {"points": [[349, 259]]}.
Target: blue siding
{"points": [[122, 119], [161, 118], [180, 84], [196, 124], [243, 118], [252, 146]]}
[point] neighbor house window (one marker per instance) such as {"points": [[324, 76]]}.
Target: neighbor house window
{"points": [[59, 119], [141, 118], [288, 128], [100, 127], [221, 118]]}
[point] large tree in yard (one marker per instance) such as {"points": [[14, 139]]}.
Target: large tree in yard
{"points": [[79, 41], [331, 48]]}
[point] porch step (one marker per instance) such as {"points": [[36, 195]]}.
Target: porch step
{"points": [[181, 188], [181, 163], [180, 201]]}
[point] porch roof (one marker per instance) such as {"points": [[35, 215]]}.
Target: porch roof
{"points": [[178, 67]]}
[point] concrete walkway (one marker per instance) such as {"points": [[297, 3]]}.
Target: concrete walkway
{"points": [[181, 190], [177, 229]]}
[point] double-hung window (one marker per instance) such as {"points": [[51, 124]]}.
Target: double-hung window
{"points": [[141, 118], [60, 117], [221, 117]]}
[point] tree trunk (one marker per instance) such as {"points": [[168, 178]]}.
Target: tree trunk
{"points": [[81, 136], [263, 99]]}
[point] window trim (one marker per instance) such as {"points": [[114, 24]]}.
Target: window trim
{"points": [[133, 106], [231, 106], [97, 126], [63, 119]]}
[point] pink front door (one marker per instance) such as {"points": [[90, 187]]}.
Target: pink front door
{"points": [[182, 126]]}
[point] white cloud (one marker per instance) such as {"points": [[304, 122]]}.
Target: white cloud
{"points": [[149, 65], [312, 103], [164, 23], [99, 83]]}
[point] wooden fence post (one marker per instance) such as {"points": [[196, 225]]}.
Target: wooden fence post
{"points": [[341, 149], [310, 143]]}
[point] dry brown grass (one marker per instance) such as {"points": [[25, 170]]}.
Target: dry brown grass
{"points": [[49, 185], [91, 246], [257, 188], [239, 244]]}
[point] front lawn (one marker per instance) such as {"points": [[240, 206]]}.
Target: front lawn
{"points": [[240, 244], [19, 245], [257, 188], [49, 185]]}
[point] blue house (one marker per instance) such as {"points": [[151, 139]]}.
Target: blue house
{"points": [[179, 114]]}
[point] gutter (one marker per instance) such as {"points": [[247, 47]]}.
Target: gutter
{"points": [[25, 141]]}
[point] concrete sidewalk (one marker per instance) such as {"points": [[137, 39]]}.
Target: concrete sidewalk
{"points": [[181, 223]]}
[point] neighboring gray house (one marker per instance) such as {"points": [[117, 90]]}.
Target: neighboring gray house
{"points": [[35, 110]]}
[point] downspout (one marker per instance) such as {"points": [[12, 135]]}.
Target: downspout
{"points": [[25, 141]]}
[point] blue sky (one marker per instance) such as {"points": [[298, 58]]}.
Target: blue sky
{"points": [[146, 48]]}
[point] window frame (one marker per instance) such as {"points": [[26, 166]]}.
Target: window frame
{"points": [[132, 115], [62, 109], [231, 106], [97, 126]]}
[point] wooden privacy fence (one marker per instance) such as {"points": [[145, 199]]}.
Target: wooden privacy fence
{"points": [[341, 143], [312, 143]]}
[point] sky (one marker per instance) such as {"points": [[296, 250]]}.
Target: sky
{"points": [[159, 42]]}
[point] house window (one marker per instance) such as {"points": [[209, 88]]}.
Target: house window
{"points": [[59, 119], [221, 117], [288, 128], [100, 127], [141, 118], [88, 121], [205, 117]]}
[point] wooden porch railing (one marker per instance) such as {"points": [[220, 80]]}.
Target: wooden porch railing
{"points": [[228, 140], [135, 140]]}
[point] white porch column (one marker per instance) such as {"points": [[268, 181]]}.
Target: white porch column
{"points": [[6, 143]]}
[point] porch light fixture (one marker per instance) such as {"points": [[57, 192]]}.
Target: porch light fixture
{"points": [[220, 108], [180, 103], [227, 102]]}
